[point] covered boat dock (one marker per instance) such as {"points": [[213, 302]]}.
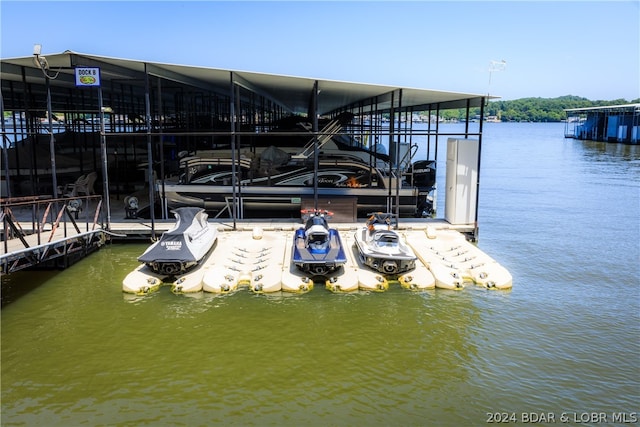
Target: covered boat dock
{"points": [[613, 123], [68, 115]]}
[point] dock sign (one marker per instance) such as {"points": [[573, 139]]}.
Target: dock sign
{"points": [[87, 77]]}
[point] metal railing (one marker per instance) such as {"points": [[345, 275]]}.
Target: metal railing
{"points": [[43, 216]]}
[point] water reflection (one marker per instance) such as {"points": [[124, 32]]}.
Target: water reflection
{"points": [[21, 283]]}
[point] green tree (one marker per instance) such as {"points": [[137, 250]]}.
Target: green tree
{"points": [[533, 109]]}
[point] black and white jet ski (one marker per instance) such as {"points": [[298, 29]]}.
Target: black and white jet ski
{"points": [[184, 246], [381, 248]]}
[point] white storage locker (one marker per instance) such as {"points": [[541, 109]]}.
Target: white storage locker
{"points": [[461, 180]]}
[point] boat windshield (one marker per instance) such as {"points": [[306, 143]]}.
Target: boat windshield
{"points": [[386, 239], [317, 238]]}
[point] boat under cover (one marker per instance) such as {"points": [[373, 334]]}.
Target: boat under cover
{"points": [[182, 247], [278, 176], [317, 249], [380, 246]]}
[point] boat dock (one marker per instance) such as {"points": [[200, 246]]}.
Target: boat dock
{"points": [[613, 123], [66, 233], [216, 139], [257, 257], [143, 229], [42, 232]]}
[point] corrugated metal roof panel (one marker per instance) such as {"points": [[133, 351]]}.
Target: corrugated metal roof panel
{"points": [[293, 93]]}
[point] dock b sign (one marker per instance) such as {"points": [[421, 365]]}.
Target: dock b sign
{"points": [[87, 77]]}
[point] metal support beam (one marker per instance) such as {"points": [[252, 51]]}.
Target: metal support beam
{"points": [[52, 150], [5, 150], [103, 155], [147, 108], [232, 118], [398, 160], [475, 225], [314, 124]]}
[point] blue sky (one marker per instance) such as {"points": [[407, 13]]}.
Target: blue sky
{"points": [[552, 48]]}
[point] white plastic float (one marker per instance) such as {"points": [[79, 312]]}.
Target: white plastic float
{"points": [[293, 279], [345, 279], [142, 280], [191, 281], [221, 275], [418, 279], [266, 251], [453, 260], [254, 263], [262, 262]]}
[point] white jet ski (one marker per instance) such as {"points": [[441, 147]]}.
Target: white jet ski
{"points": [[381, 247]]}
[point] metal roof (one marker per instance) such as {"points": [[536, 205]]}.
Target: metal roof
{"points": [[619, 107], [292, 93]]}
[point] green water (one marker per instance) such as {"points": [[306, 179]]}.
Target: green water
{"points": [[84, 354], [561, 215]]}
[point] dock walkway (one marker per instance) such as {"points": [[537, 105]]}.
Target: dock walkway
{"points": [[143, 228], [443, 251], [51, 233]]}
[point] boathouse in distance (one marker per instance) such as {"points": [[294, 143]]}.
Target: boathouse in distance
{"points": [[613, 123]]}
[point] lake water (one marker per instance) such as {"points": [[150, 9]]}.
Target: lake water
{"points": [[564, 345]]}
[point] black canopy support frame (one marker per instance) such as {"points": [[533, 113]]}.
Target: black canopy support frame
{"points": [[235, 106]]}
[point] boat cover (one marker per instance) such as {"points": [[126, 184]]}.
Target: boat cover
{"points": [[175, 244], [274, 157]]}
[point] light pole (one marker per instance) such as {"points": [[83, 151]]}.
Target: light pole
{"points": [[495, 66], [43, 65]]}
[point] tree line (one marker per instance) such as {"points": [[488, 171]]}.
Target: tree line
{"points": [[532, 109]]}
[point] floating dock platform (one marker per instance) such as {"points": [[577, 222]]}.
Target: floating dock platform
{"points": [[257, 256], [250, 254]]}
